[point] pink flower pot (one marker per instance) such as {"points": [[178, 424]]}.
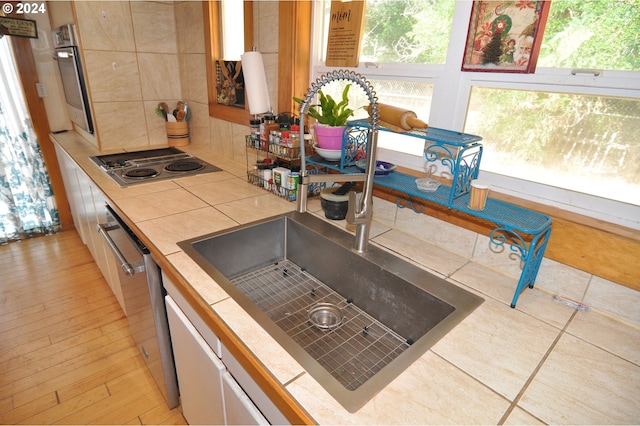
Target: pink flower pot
{"points": [[329, 137]]}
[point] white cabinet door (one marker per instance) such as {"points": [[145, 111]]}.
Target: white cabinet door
{"points": [[251, 388], [199, 371], [72, 187], [239, 409], [87, 208], [88, 219], [203, 329]]}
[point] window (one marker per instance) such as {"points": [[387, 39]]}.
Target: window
{"points": [[213, 9], [584, 143], [231, 34], [293, 50], [573, 119], [412, 95], [592, 34], [410, 31]]}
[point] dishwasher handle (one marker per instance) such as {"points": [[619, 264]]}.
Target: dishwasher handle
{"points": [[126, 266]]}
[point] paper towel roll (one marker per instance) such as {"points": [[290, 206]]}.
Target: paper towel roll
{"points": [[255, 81]]}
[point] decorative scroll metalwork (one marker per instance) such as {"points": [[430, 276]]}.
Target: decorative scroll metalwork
{"points": [[316, 187], [408, 203], [531, 254], [444, 153], [355, 147], [504, 236], [468, 167], [461, 154], [462, 162]]}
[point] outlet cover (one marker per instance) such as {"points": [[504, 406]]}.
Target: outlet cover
{"points": [[42, 90]]}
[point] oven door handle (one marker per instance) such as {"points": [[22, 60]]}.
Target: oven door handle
{"points": [[126, 266]]}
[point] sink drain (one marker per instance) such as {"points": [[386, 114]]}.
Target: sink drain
{"points": [[325, 316]]}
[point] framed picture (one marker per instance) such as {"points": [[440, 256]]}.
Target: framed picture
{"points": [[505, 36], [230, 83], [18, 26]]}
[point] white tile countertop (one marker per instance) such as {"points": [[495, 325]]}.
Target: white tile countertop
{"points": [[542, 362]]}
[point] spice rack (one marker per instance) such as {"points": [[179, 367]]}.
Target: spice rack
{"points": [[275, 153]]}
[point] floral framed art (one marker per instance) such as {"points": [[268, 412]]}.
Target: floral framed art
{"points": [[505, 36]]}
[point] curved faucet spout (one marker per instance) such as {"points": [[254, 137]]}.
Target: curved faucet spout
{"points": [[360, 211]]}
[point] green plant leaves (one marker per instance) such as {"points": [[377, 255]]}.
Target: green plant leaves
{"points": [[330, 112]]}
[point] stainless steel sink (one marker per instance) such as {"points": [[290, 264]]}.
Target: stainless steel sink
{"points": [[382, 312]]}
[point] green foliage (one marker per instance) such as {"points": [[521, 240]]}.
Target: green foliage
{"points": [[542, 128], [331, 113], [409, 31], [602, 34]]}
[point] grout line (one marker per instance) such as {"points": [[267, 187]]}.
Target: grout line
{"points": [[474, 247], [219, 301], [536, 370], [288, 382], [466, 373], [586, 289], [468, 261], [588, 341]]}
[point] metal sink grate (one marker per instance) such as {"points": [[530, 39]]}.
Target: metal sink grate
{"points": [[352, 352]]}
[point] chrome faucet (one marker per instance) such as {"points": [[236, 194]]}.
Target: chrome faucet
{"points": [[360, 211]]}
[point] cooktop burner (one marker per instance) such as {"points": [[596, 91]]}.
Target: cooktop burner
{"points": [[141, 173], [130, 168], [183, 166]]}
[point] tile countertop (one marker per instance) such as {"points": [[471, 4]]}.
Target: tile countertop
{"points": [[539, 363]]}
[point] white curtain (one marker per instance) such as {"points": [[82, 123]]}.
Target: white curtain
{"points": [[27, 206]]}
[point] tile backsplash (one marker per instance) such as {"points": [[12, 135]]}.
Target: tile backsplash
{"points": [[132, 63], [449, 250], [139, 53]]}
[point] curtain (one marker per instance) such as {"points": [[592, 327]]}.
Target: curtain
{"points": [[27, 206]]}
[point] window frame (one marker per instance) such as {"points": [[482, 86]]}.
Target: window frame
{"points": [[293, 55], [452, 92], [213, 52]]}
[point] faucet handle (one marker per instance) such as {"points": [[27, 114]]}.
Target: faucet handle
{"points": [[351, 208]]}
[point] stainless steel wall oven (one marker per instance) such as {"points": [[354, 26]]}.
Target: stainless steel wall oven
{"points": [[75, 89]]}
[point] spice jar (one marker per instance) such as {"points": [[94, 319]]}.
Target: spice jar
{"points": [[266, 127], [254, 129]]}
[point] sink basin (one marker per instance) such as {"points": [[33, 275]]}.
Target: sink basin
{"points": [[354, 321]]}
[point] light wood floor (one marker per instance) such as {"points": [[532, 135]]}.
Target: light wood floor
{"points": [[66, 355]]}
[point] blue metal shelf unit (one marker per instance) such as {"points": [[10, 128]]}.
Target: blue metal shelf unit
{"points": [[524, 231]]}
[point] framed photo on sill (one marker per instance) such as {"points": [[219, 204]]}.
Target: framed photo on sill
{"points": [[505, 36], [230, 83]]}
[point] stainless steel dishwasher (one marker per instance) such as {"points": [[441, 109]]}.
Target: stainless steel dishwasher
{"points": [[143, 294]]}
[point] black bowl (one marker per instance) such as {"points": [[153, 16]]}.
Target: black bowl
{"points": [[334, 210]]}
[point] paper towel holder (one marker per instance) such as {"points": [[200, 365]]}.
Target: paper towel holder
{"points": [[255, 80]]}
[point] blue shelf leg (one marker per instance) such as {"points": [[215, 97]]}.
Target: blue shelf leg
{"points": [[532, 259]]}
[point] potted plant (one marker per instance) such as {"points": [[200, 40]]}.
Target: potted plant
{"points": [[331, 119]]}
